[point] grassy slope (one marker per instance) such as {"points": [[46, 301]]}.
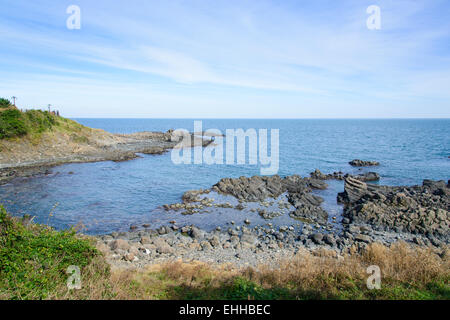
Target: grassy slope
{"points": [[34, 259], [33, 123], [39, 135]]}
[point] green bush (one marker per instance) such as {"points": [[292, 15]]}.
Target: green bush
{"points": [[4, 103], [40, 121], [12, 124], [34, 259]]}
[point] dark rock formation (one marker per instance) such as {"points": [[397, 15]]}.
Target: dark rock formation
{"points": [[417, 209], [362, 163], [257, 188], [368, 176], [317, 174]]}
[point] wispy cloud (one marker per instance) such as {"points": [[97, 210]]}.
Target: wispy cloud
{"points": [[243, 56]]}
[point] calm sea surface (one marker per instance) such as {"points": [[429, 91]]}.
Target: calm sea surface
{"points": [[108, 196]]}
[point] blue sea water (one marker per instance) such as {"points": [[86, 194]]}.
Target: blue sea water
{"points": [[108, 196]]}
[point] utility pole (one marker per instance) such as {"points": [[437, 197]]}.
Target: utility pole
{"points": [[14, 100]]}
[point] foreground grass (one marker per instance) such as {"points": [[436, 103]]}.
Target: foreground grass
{"points": [[406, 274], [34, 261]]}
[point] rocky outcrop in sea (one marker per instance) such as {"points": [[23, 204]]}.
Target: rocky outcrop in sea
{"points": [[419, 215], [423, 210]]}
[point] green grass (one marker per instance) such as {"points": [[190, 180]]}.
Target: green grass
{"points": [[202, 283], [33, 123], [34, 259], [14, 123], [241, 288]]}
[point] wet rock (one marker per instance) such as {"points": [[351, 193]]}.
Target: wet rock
{"points": [[185, 229], [329, 239], [368, 176], [125, 156], [317, 238], [193, 195], [163, 230], [317, 184], [197, 233], [310, 214], [362, 237], [362, 163], [317, 174]]}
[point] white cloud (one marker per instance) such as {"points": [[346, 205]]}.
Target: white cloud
{"points": [[238, 50]]}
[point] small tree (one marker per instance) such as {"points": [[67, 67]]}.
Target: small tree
{"points": [[4, 103]]}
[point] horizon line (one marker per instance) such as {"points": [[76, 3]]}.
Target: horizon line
{"points": [[199, 118]]}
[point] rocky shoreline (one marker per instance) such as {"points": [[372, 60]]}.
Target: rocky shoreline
{"points": [[419, 215], [104, 147]]}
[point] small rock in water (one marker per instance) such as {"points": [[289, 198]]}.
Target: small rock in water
{"points": [[247, 221]]}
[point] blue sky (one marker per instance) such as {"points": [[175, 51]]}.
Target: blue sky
{"points": [[228, 59]]}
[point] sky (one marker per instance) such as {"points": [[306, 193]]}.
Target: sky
{"points": [[228, 59]]}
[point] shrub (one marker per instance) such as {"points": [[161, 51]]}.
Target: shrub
{"points": [[39, 121], [4, 103], [12, 124], [34, 258]]}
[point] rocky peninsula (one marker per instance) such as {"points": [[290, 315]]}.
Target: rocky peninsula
{"points": [[66, 141]]}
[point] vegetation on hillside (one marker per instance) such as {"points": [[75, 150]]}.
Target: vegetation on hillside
{"points": [[4, 103], [14, 123], [33, 123], [34, 261]]}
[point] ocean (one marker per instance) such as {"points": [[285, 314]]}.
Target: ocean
{"points": [[108, 196]]}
